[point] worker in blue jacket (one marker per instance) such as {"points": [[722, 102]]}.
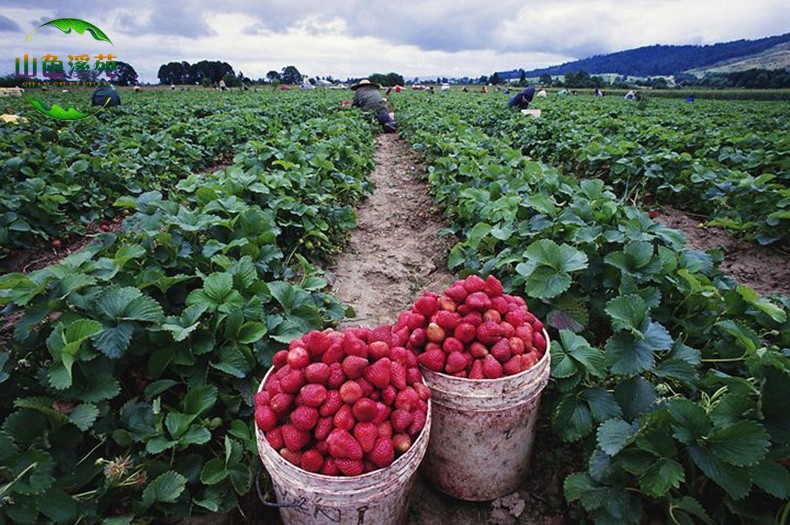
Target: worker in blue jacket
{"points": [[522, 99]]}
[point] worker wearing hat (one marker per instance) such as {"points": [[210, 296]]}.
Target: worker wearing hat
{"points": [[367, 98]]}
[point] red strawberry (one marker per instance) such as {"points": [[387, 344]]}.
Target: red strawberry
{"points": [[397, 375], [366, 434], [332, 404], [401, 443], [378, 374], [312, 461], [353, 345], [273, 387], [361, 333], [281, 404], [432, 346], [383, 413], [275, 438], [418, 424], [492, 369], [342, 445], [515, 317], [313, 395], [279, 359], [413, 375], [379, 349], [262, 398], [476, 371], [265, 418], [447, 320], [344, 418], [389, 393], [539, 342], [407, 399], [317, 373], [501, 350], [446, 304], [500, 304], [519, 300], [451, 344], [418, 338], [488, 333], [323, 427], [456, 293], [507, 329], [401, 337], [529, 360], [334, 354], [317, 342], [298, 358], [354, 366], [432, 360], [385, 429], [294, 438], [478, 301], [367, 387], [401, 420], [492, 287], [336, 376], [516, 346], [292, 382], [465, 332], [350, 392], [473, 318], [383, 453], [381, 333], [513, 366], [652, 214], [473, 284], [423, 392], [330, 468], [427, 305], [461, 374], [364, 410], [435, 333], [456, 362], [304, 418], [321, 447], [350, 467], [524, 332], [492, 316], [415, 321], [537, 326], [291, 456]]}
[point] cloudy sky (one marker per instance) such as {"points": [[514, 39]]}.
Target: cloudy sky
{"points": [[353, 38]]}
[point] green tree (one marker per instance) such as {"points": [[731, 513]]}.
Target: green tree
{"points": [[495, 79], [291, 75], [545, 79], [126, 75]]}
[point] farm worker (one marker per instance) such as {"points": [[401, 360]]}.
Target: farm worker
{"points": [[690, 98], [521, 100], [102, 93], [598, 92], [630, 95], [10, 118], [542, 93], [562, 93], [368, 99]]}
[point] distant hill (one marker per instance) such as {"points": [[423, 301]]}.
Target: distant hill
{"points": [[670, 60]]}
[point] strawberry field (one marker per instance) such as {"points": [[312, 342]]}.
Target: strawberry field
{"points": [[130, 367]]}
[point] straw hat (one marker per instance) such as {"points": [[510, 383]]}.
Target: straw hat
{"points": [[363, 83]]}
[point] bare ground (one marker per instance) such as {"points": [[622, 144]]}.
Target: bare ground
{"points": [[764, 269]]}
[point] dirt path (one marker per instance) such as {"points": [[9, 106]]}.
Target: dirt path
{"points": [[761, 268]]}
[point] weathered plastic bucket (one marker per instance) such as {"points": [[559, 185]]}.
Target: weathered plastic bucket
{"points": [[483, 430], [380, 497]]}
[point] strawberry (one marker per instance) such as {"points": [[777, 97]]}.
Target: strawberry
{"points": [[519, 300], [385, 429], [313, 395], [292, 382], [281, 404], [383, 413], [492, 287], [407, 399], [432, 360], [317, 373], [417, 424], [350, 467], [279, 359], [500, 304], [353, 345], [456, 293], [378, 374], [401, 337], [415, 321], [336, 376], [423, 392], [538, 342], [473, 284], [465, 332], [529, 360], [492, 369], [401, 443], [478, 301], [432, 346], [537, 326], [653, 214], [321, 447], [323, 427], [381, 333], [413, 375], [367, 387], [298, 358], [476, 371], [488, 333], [330, 468], [492, 316], [462, 374], [304, 418], [401, 420], [506, 329], [360, 333], [516, 345], [265, 418], [524, 332], [343, 445], [501, 350], [383, 453], [451, 344], [427, 305], [457, 361], [317, 342], [273, 387], [446, 304], [334, 354], [344, 418], [389, 392], [418, 338], [312, 461], [294, 438], [473, 318], [515, 317], [397, 375], [513, 366], [435, 333], [350, 392], [275, 438], [294, 457], [379, 349], [447, 320], [364, 410], [366, 434], [354, 366], [332, 404]]}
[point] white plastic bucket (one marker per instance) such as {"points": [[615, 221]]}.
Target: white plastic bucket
{"points": [[483, 430], [380, 497]]}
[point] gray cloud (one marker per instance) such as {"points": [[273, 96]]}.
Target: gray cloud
{"points": [[6, 24]]}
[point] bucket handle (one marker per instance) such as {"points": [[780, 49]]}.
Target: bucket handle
{"points": [[298, 505]]}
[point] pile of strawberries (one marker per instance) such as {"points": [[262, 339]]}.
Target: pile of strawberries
{"points": [[343, 403], [473, 330]]}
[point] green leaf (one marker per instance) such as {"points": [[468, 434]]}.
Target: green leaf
{"points": [[628, 312], [635, 396], [772, 478], [240, 477], [80, 26], [159, 444], [743, 334], [60, 507], [196, 435], [614, 435], [199, 399], [690, 421], [578, 349], [113, 341], [734, 480], [114, 301], [165, 489], [689, 505], [548, 266], [743, 444], [626, 356], [661, 476], [580, 487], [213, 472], [603, 405], [177, 423], [289, 296], [764, 305], [572, 419], [143, 309], [250, 332], [84, 415]]}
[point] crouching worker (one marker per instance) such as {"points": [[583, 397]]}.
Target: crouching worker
{"points": [[367, 98], [105, 96], [522, 99]]}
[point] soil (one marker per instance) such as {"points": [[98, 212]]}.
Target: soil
{"points": [[764, 269]]}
